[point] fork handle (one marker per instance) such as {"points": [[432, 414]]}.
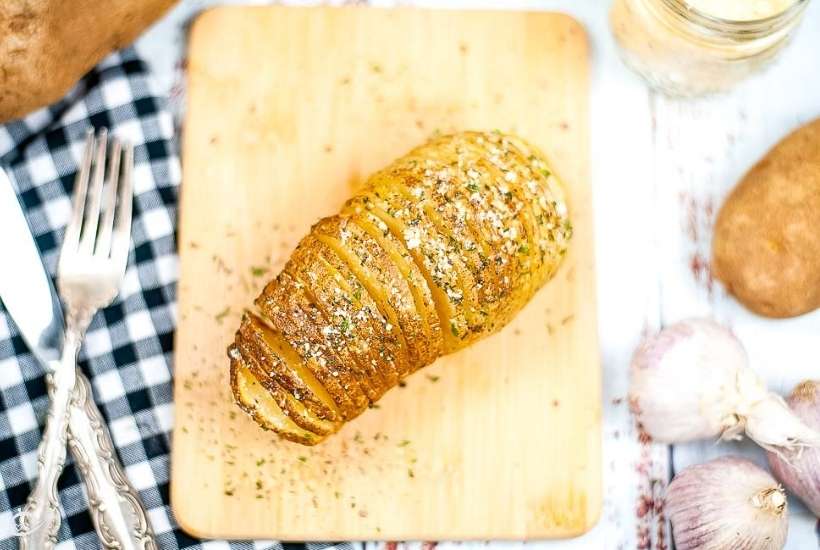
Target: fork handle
{"points": [[118, 514], [39, 520]]}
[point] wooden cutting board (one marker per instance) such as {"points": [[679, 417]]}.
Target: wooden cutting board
{"points": [[289, 110]]}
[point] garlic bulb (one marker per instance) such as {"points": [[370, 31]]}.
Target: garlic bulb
{"points": [[692, 381], [800, 471], [727, 504]]}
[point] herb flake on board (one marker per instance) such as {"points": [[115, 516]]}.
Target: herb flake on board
{"points": [[258, 271], [222, 314]]}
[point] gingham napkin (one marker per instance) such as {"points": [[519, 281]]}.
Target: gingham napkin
{"points": [[128, 351]]}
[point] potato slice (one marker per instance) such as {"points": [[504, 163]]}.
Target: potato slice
{"points": [[543, 193], [432, 248], [389, 267], [255, 400], [385, 283], [280, 306], [409, 201], [402, 259], [392, 355], [434, 193], [295, 409], [450, 186], [489, 212], [353, 322], [292, 293], [505, 195], [391, 326], [283, 364], [438, 279], [516, 237]]}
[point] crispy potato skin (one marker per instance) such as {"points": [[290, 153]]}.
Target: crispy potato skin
{"points": [[766, 248], [47, 45], [440, 249]]}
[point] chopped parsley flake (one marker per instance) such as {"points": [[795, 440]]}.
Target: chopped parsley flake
{"points": [[222, 314], [258, 271]]}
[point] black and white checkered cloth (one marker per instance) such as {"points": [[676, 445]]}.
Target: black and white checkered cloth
{"points": [[128, 351]]}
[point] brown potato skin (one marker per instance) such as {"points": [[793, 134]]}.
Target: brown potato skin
{"points": [[766, 248], [46, 46]]}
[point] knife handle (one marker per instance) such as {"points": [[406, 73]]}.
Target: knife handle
{"points": [[116, 510], [39, 521]]}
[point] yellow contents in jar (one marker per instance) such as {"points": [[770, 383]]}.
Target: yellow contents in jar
{"points": [[695, 47], [741, 10]]}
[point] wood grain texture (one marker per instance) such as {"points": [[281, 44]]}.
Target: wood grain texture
{"points": [[288, 111]]}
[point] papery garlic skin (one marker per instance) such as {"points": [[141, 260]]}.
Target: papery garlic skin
{"points": [[692, 381], [727, 504], [800, 471], [683, 384]]}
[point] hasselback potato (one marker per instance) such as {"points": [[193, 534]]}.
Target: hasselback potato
{"points": [[441, 248]]}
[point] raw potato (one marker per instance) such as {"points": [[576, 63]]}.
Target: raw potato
{"points": [[766, 248], [47, 45], [440, 249]]}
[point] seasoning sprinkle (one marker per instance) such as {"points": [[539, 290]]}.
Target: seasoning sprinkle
{"points": [[258, 271], [222, 314]]}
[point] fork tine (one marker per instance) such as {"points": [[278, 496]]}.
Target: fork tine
{"points": [[92, 214], [103, 246], [72, 232], [121, 240]]}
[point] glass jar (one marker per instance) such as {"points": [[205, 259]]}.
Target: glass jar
{"points": [[682, 49]]}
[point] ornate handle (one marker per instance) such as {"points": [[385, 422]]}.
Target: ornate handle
{"points": [[39, 520], [118, 514]]}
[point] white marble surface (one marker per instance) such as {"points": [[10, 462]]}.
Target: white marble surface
{"points": [[661, 168]]}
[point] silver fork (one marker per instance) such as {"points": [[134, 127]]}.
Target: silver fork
{"points": [[92, 263]]}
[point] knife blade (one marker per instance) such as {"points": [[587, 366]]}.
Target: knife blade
{"points": [[26, 290], [25, 287]]}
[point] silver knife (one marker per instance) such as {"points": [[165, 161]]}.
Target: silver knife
{"points": [[28, 294]]}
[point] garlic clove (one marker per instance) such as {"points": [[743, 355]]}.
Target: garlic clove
{"points": [[773, 426], [799, 470], [727, 504]]}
